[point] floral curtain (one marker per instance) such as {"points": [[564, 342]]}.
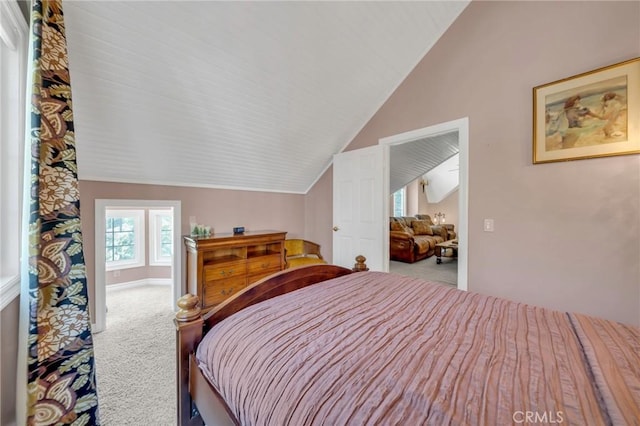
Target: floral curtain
{"points": [[60, 360]]}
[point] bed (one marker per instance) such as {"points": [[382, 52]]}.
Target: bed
{"points": [[322, 345]]}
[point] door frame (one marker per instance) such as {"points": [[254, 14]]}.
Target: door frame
{"points": [[101, 206], [462, 127]]}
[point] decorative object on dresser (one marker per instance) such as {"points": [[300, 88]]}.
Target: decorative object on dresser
{"points": [[198, 230], [300, 252], [222, 265]]}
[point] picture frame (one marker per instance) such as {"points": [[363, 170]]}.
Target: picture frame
{"points": [[589, 115]]}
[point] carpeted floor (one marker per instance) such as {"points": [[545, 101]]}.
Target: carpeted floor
{"points": [[428, 269], [135, 358]]}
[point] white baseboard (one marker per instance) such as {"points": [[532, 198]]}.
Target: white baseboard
{"points": [[9, 290], [140, 283]]}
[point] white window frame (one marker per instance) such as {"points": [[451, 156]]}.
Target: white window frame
{"points": [[155, 238], [139, 259], [13, 76], [403, 194]]}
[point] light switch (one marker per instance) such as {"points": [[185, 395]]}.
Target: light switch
{"points": [[488, 225]]}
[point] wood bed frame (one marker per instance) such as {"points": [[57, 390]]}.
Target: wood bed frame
{"points": [[197, 401]]}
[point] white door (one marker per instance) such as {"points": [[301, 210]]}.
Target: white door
{"points": [[359, 180]]}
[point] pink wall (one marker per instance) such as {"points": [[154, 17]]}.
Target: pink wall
{"points": [[567, 235], [414, 194], [448, 206], [221, 209], [318, 214]]}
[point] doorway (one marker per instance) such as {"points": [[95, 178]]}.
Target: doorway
{"points": [[102, 206], [435, 133]]}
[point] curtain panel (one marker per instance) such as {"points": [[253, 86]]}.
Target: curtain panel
{"points": [[61, 386]]}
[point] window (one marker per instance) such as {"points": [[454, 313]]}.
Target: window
{"points": [[13, 53], [124, 239], [399, 202], [160, 237]]}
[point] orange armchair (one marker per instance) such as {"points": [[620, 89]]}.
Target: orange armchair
{"points": [[301, 252]]}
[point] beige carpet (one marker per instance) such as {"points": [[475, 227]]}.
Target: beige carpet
{"points": [[428, 269], [135, 358]]}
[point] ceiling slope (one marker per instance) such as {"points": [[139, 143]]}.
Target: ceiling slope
{"points": [[241, 95], [411, 160]]}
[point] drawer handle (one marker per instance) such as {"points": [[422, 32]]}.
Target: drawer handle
{"points": [[227, 292], [226, 273], [265, 266]]}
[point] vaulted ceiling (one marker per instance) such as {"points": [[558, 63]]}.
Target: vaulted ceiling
{"points": [[241, 95], [411, 160]]}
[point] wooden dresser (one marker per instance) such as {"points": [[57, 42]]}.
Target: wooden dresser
{"points": [[223, 264]]}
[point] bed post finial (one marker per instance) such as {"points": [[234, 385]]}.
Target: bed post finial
{"points": [[189, 309], [360, 265]]}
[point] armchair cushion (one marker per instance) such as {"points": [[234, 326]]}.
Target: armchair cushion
{"points": [[424, 246], [400, 235], [401, 224], [302, 261], [397, 226], [425, 217], [421, 227], [440, 231], [450, 235]]}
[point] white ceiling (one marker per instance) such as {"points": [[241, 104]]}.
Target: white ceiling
{"points": [[411, 160], [243, 95]]}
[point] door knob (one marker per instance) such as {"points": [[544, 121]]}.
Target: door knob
{"points": [[336, 229]]}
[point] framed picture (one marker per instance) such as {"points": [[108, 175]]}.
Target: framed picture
{"points": [[594, 114]]}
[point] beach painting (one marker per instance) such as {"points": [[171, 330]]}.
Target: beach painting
{"points": [[591, 115]]}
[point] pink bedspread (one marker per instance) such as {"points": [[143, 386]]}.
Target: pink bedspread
{"points": [[376, 348], [613, 355]]}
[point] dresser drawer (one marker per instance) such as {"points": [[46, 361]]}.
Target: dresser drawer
{"points": [[219, 290], [220, 265], [264, 263], [224, 270]]}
